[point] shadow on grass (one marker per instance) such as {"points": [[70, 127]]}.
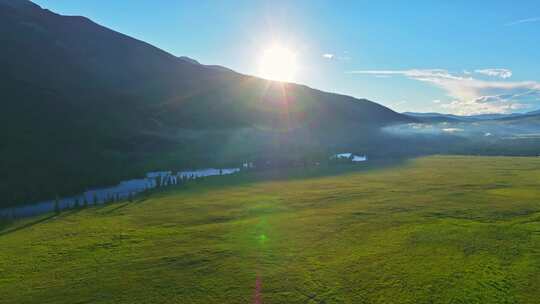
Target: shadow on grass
{"points": [[241, 179], [4, 223], [109, 211], [27, 225], [4, 230], [279, 174], [310, 297]]}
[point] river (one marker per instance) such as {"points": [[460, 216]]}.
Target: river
{"points": [[121, 191]]}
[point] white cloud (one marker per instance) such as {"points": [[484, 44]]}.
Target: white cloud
{"points": [[340, 57], [437, 101], [502, 73], [527, 20], [470, 95], [452, 130], [461, 107]]}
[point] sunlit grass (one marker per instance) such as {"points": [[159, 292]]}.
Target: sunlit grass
{"points": [[433, 230]]}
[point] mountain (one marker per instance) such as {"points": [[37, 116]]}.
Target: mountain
{"points": [[533, 112], [528, 117], [190, 60], [83, 105], [433, 117]]}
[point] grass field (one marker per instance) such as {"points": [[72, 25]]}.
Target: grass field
{"points": [[443, 229]]}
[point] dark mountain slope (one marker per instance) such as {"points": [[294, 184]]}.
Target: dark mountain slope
{"points": [[83, 105]]}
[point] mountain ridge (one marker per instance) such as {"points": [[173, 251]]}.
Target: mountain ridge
{"points": [[90, 106], [435, 116]]}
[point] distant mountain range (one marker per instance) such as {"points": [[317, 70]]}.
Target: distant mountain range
{"points": [[84, 105], [439, 117]]}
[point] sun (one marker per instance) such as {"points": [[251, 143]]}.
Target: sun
{"points": [[278, 63]]}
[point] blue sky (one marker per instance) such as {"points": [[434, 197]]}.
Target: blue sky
{"points": [[461, 57]]}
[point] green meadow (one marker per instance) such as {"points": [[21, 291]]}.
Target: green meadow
{"points": [[440, 229]]}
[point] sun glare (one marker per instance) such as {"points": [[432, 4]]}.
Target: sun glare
{"points": [[278, 63]]}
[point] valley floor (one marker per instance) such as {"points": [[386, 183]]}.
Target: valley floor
{"points": [[442, 229]]}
